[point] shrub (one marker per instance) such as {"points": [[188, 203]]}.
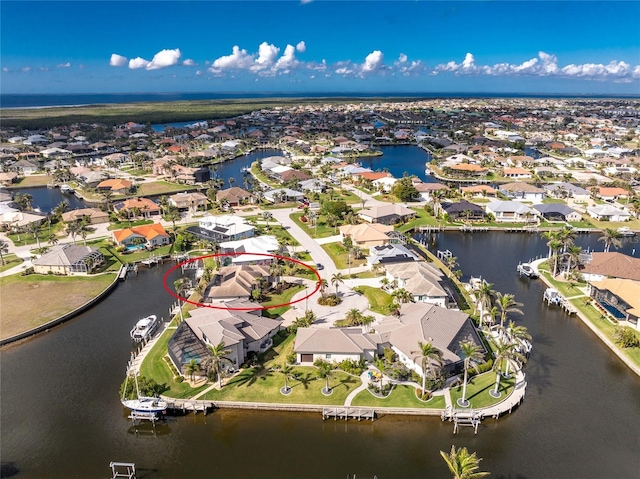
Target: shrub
{"points": [[329, 300], [626, 337], [292, 357], [383, 391], [352, 367]]}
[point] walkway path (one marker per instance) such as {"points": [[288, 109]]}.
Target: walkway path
{"points": [[364, 377]]}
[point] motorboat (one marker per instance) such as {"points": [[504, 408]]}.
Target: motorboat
{"points": [[626, 232], [525, 269], [144, 328], [66, 189]]}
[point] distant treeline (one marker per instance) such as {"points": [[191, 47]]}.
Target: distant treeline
{"points": [[156, 112]]}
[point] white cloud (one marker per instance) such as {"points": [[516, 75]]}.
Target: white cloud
{"points": [[163, 59], [301, 47], [138, 62], [267, 54], [287, 61], [239, 59], [25, 69], [373, 62], [63, 65], [117, 60], [5, 69], [189, 63], [402, 58]]}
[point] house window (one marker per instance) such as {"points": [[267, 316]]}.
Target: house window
{"points": [[327, 356]]}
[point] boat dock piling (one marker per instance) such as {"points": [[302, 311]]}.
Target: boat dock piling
{"points": [[123, 469], [194, 405], [474, 229], [467, 417], [348, 413], [551, 296]]}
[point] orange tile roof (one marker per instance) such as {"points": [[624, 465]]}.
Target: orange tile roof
{"points": [[374, 175], [468, 167], [611, 191], [148, 231], [115, 184]]}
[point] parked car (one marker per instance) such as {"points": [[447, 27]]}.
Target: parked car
{"points": [[319, 266]]}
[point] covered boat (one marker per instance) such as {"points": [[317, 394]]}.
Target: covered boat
{"points": [[144, 328]]}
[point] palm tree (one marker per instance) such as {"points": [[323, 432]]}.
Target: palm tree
{"points": [[517, 334], [402, 296], [427, 354], [192, 368], [73, 228], [323, 286], [504, 353], [181, 285], [324, 372], [554, 246], [34, 228], [84, 229], [217, 355], [472, 354], [4, 248], [573, 256], [451, 262], [611, 237], [286, 371], [550, 235], [337, 279], [266, 216], [507, 304], [484, 294], [462, 464]]}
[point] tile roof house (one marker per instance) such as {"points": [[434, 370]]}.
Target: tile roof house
{"points": [[222, 228], [620, 298], [334, 345], [235, 282], [521, 190], [557, 212], [93, 215], [424, 281], [390, 253], [151, 236], [479, 190], [463, 210], [567, 190], [366, 235], [509, 211], [189, 201], [68, 259], [608, 213], [258, 249], [234, 196], [117, 185], [386, 214], [241, 331], [141, 206], [611, 265]]}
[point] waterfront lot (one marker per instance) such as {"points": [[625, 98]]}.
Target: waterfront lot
{"points": [[33, 300]]}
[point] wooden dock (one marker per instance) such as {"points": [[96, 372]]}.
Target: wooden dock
{"points": [[190, 405], [347, 413]]}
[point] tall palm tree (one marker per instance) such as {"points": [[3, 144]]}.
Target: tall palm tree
{"points": [[484, 295], [337, 279], [506, 353], [566, 236], [181, 285], [34, 229], [611, 237], [472, 354], [73, 228], [573, 256], [554, 246], [217, 356], [428, 354], [402, 296], [286, 371], [325, 372], [266, 216], [84, 229], [507, 304], [462, 464], [549, 235], [4, 248]]}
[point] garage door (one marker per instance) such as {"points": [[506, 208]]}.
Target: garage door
{"points": [[306, 358]]}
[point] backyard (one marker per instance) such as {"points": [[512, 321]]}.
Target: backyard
{"points": [[340, 257]]}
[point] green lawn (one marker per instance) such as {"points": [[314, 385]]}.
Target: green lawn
{"points": [[138, 256], [10, 260], [401, 396], [161, 187], [128, 224], [340, 257], [281, 298], [43, 234], [155, 367], [321, 231], [260, 176], [379, 300], [422, 219], [478, 390], [33, 180], [262, 384]]}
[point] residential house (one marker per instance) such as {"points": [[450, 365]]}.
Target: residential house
{"points": [[366, 235], [189, 201], [387, 214], [68, 259], [620, 298], [283, 195], [611, 193], [116, 185], [137, 206], [257, 250], [516, 173], [390, 253], [523, 191], [557, 212], [150, 236], [425, 282], [8, 178], [567, 190], [426, 190], [505, 211], [608, 213], [222, 228], [234, 196], [313, 186], [93, 216], [334, 345], [600, 266], [464, 210], [385, 184], [25, 167], [479, 190], [242, 332], [237, 281]]}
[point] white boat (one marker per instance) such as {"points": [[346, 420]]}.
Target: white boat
{"points": [[527, 270], [245, 169], [144, 328], [142, 404], [625, 231], [66, 189]]}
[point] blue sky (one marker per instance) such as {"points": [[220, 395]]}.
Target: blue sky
{"points": [[578, 47]]}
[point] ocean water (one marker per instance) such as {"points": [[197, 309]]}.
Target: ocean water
{"points": [[71, 99]]}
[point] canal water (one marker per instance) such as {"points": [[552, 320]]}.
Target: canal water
{"points": [[61, 416], [46, 199], [400, 159]]}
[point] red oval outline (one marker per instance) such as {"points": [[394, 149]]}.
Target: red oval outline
{"points": [[214, 255]]}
